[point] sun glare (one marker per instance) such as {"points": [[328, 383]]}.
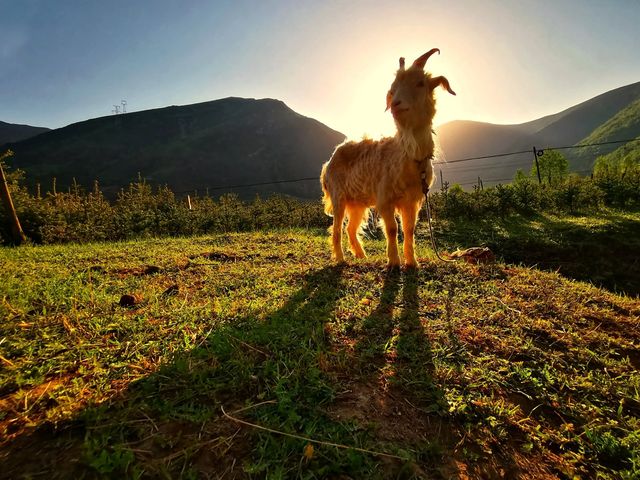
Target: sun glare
{"points": [[365, 114], [364, 111]]}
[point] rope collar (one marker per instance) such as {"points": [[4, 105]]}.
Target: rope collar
{"points": [[422, 167]]}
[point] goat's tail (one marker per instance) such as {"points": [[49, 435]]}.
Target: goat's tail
{"points": [[326, 199]]}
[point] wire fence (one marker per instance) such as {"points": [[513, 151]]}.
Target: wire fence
{"points": [[447, 162]]}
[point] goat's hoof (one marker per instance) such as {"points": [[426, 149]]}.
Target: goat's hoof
{"points": [[360, 255], [411, 265], [393, 265]]}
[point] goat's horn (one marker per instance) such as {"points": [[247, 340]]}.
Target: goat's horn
{"points": [[401, 63], [420, 61]]}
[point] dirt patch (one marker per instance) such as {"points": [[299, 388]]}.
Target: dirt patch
{"points": [[215, 449], [546, 341], [137, 271], [392, 416], [224, 257], [388, 413], [633, 355], [24, 406], [46, 451]]}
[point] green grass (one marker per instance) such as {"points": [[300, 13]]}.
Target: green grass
{"points": [[500, 370]]}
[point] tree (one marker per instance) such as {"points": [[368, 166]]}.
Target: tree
{"points": [[554, 167]]}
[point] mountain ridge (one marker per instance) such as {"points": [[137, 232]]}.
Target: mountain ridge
{"points": [[188, 147], [235, 141], [461, 139], [15, 132]]}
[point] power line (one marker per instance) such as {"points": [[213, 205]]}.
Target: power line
{"points": [[529, 151], [593, 144], [482, 157], [259, 184], [459, 160], [487, 180], [490, 165]]}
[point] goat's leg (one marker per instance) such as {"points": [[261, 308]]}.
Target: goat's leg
{"points": [[336, 234], [356, 214], [391, 232], [409, 214]]}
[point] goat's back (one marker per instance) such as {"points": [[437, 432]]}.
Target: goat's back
{"points": [[364, 171]]}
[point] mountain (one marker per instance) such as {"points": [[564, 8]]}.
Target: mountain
{"points": [[629, 153], [623, 125], [13, 132], [610, 116], [236, 141], [224, 142]]}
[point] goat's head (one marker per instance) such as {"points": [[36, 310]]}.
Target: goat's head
{"points": [[411, 97]]}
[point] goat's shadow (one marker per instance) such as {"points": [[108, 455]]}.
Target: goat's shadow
{"points": [[395, 353]]}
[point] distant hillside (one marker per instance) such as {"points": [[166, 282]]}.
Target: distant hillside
{"points": [[623, 125], [13, 132], [223, 142], [578, 124], [629, 152]]}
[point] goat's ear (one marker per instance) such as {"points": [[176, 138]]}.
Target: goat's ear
{"points": [[389, 99], [440, 81]]}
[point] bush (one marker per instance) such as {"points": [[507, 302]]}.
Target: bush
{"points": [[142, 211]]}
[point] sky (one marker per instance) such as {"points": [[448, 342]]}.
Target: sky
{"points": [[63, 61]]}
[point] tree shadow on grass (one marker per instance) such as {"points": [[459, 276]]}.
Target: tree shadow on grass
{"points": [[602, 250], [288, 368], [169, 424], [279, 364]]}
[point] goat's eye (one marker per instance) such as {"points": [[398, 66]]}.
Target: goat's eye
{"points": [[420, 84]]}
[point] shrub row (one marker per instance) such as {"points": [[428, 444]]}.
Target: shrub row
{"points": [[142, 211]]}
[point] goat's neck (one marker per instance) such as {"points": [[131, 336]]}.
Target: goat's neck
{"points": [[417, 143]]}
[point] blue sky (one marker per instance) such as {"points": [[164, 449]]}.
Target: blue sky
{"points": [[509, 61]]}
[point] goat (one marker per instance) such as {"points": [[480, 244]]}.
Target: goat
{"points": [[389, 173]]}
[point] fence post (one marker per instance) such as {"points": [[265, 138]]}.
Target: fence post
{"points": [[16, 229], [535, 157], [441, 181]]}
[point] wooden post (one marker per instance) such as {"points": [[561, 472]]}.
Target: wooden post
{"points": [[16, 229], [536, 154]]}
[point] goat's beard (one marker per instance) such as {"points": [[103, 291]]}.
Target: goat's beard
{"points": [[417, 142]]}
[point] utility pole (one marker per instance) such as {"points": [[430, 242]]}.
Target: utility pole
{"points": [[536, 154], [16, 229]]}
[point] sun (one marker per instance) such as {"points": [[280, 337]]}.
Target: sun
{"points": [[362, 112]]}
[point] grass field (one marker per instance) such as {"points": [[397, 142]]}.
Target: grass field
{"points": [[517, 369]]}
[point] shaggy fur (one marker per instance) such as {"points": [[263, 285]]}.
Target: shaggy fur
{"points": [[385, 174]]}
